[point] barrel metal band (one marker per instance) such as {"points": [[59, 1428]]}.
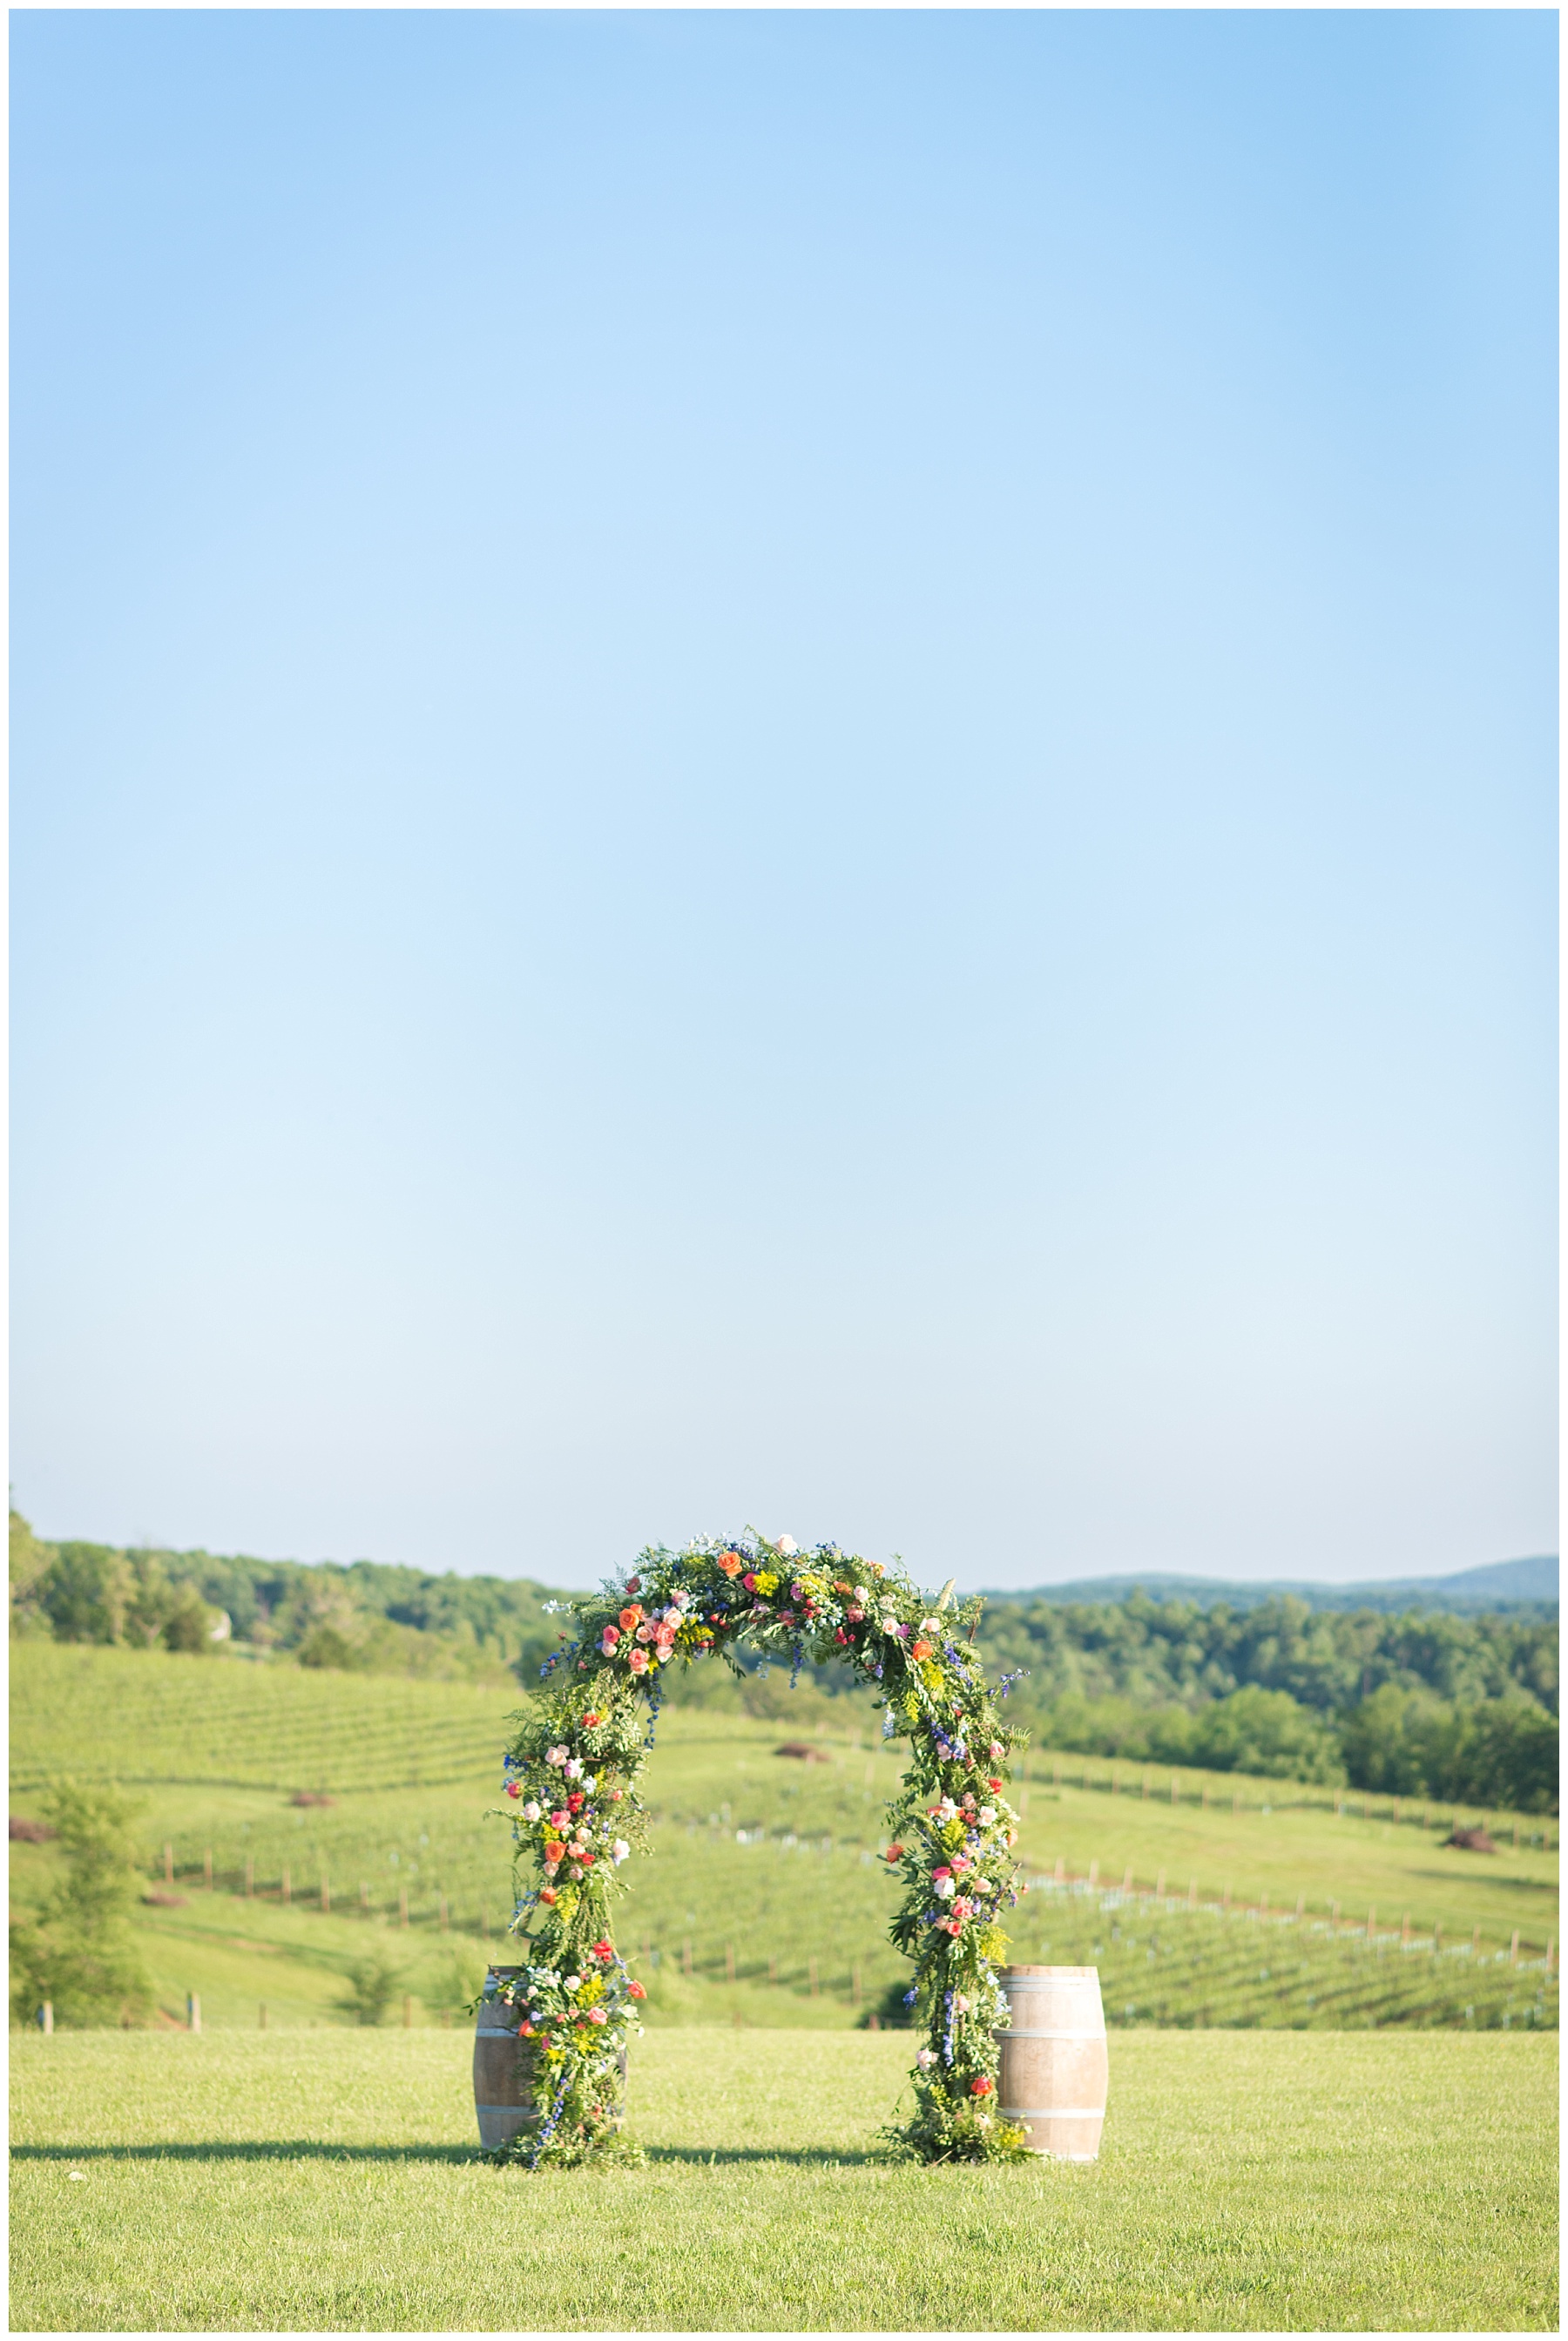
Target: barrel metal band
{"points": [[1051, 2113], [1024, 2032]]}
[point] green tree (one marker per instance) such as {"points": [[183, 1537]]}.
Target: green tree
{"points": [[79, 1952]]}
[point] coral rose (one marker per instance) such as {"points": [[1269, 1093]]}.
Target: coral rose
{"points": [[730, 1562], [982, 2087], [637, 1991], [639, 1662], [632, 1618]]}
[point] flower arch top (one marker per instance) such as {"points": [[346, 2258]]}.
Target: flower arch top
{"points": [[572, 1789]]}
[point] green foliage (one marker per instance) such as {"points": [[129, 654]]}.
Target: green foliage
{"points": [[1175, 1653], [372, 1984], [1410, 1743], [78, 1951], [362, 1619], [576, 1812], [1287, 1692]]}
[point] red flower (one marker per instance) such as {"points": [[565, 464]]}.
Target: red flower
{"points": [[895, 1853], [576, 1801], [921, 1650], [634, 1585], [603, 1949], [547, 1893], [636, 1991], [591, 1722], [514, 1787], [994, 1784], [839, 1635], [750, 1580], [982, 2087]]}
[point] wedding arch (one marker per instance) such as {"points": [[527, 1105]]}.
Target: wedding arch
{"points": [[571, 1789]]}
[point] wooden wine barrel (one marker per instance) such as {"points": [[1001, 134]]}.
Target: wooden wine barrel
{"points": [[1055, 2069], [503, 2069]]}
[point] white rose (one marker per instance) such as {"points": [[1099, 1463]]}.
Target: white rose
{"points": [[787, 1545], [573, 1982], [861, 1595], [590, 1784], [620, 1850], [574, 1769], [946, 1887], [987, 1815], [925, 2057], [531, 1811], [930, 1625]]}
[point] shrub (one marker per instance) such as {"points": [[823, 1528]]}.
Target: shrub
{"points": [[371, 1987], [79, 1952]]}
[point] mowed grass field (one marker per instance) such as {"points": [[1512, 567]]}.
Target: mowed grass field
{"points": [[1248, 2181]]}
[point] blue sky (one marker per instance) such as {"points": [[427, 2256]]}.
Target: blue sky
{"points": [[792, 769]]}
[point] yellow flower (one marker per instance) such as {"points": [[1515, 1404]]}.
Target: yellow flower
{"points": [[765, 1581], [992, 1943], [933, 1674], [911, 1707]]}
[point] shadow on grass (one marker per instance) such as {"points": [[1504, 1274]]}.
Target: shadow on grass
{"points": [[272, 2150], [304, 2149]]}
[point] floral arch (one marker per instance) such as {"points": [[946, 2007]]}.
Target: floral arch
{"points": [[571, 1789]]}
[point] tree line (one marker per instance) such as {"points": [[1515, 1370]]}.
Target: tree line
{"points": [[1423, 1704], [1427, 1703]]}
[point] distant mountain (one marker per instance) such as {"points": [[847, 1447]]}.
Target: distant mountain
{"points": [[1512, 1588]]}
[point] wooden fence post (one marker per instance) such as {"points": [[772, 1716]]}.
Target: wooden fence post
{"points": [[1405, 1929], [326, 1896], [286, 1891], [729, 1962], [402, 1906], [169, 1861], [1513, 1950], [1300, 1909], [813, 1974], [207, 1869], [1175, 1787], [1127, 1879], [1475, 1942], [1094, 1875], [47, 2017], [1160, 1887], [193, 2011], [1371, 1923], [1192, 1894], [250, 1877], [1061, 1870]]}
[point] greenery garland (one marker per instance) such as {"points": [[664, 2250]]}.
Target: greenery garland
{"points": [[572, 1791]]}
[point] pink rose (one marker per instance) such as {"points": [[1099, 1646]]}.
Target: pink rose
{"points": [[640, 1662]]}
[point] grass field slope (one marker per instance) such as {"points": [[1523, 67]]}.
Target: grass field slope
{"points": [[1262, 2181], [1204, 1898]]}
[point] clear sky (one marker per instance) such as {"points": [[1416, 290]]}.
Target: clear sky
{"points": [[787, 768]]}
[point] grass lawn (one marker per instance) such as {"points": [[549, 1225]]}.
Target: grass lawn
{"points": [[329, 2179]]}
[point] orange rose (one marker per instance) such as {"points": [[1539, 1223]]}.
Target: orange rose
{"points": [[921, 1650], [632, 1616], [730, 1562], [553, 1850]]}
